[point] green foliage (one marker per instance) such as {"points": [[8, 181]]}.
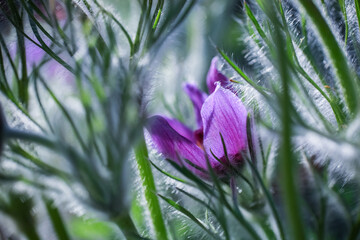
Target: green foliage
{"points": [[79, 139]]}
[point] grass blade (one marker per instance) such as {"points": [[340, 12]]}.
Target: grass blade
{"points": [[188, 214]]}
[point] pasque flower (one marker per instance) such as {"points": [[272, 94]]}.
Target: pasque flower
{"points": [[221, 120]]}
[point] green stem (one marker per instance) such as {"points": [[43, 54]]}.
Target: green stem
{"points": [[127, 227], [287, 162], [148, 183]]}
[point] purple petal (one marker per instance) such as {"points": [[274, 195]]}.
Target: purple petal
{"points": [[224, 113], [181, 129], [214, 76], [197, 97], [58, 72], [34, 54], [173, 145], [51, 69]]}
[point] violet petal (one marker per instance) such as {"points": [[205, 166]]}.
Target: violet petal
{"points": [[214, 76], [224, 113], [173, 145], [181, 129]]}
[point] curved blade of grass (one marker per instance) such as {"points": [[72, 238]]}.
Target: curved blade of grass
{"points": [[343, 10], [188, 214], [169, 175], [197, 200], [241, 73], [186, 172], [256, 24]]}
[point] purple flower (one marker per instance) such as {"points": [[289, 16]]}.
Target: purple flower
{"points": [[221, 115]]}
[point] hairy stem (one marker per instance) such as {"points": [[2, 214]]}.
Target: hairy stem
{"points": [[148, 184]]}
